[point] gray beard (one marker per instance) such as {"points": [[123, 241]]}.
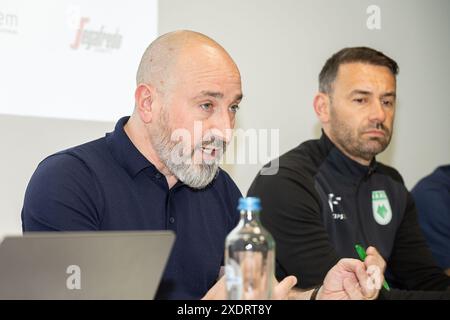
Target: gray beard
{"points": [[179, 161]]}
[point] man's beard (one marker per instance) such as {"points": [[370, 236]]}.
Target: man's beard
{"points": [[355, 144], [178, 157]]}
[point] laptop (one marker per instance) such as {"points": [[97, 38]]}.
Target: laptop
{"points": [[83, 265]]}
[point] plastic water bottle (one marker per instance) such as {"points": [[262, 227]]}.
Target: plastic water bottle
{"points": [[249, 255]]}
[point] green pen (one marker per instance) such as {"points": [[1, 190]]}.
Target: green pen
{"points": [[362, 255]]}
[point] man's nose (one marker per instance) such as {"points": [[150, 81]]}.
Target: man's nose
{"points": [[223, 126], [377, 112]]}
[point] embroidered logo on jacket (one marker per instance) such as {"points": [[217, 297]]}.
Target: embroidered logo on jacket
{"points": [[381, 208], [335, 207]]}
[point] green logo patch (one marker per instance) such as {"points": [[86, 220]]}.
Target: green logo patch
{"points": [[381, 207]]}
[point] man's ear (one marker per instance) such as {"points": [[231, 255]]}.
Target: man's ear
{"points": [[144, 97], [322, 107]]}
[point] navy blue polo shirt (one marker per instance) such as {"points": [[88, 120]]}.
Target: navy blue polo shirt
{"points": [[107, 184]]}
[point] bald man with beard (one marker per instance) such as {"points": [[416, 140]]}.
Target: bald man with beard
{"points": [[158, 170]]}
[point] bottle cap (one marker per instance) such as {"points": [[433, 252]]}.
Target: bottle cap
{"points": [[249, 204]]}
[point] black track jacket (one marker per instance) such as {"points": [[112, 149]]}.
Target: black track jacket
{"points": [[321, 203]]}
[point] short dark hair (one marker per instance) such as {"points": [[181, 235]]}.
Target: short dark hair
{"points": [[348, 55]]}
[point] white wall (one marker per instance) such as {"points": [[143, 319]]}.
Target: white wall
{"points": [[24, 142], [280, 47]]}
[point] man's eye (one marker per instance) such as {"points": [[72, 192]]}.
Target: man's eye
{"points": [[234, 108], [387, 103], [360, 100], [206, 106]]}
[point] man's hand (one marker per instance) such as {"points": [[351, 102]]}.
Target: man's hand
{"points": [[350, 279], [280, 290], [217, 291], [375, 266]]}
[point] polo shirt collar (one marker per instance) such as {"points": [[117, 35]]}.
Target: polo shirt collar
{"points": [[124, 151]]}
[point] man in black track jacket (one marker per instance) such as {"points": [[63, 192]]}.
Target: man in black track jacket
{"points": [[327, 195]]}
